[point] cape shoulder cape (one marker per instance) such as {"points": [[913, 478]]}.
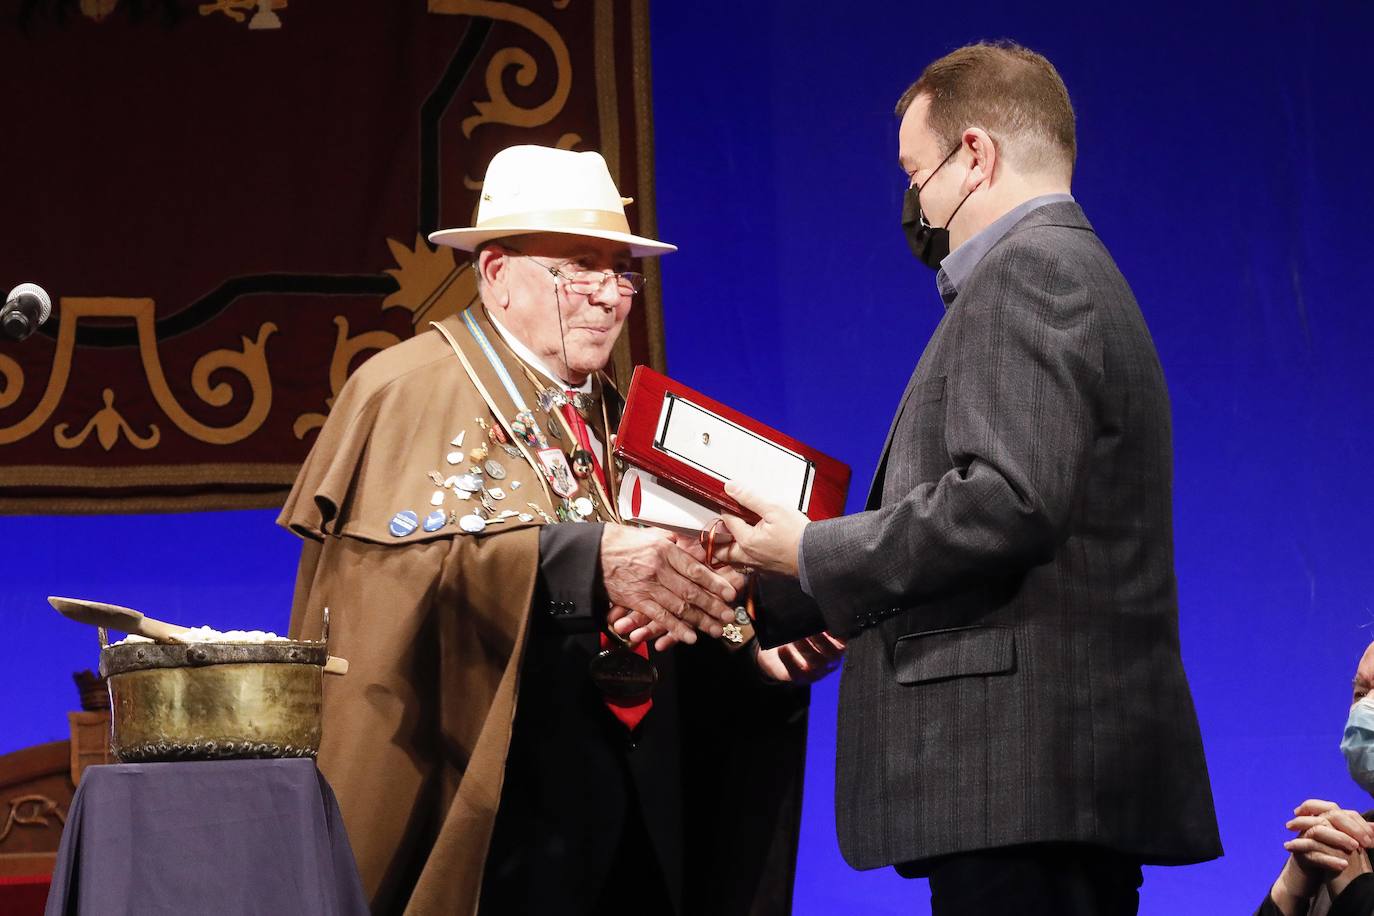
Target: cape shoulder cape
{"points": [[434, 624]]}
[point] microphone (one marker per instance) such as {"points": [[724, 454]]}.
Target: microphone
{"points": [[26, 307]]}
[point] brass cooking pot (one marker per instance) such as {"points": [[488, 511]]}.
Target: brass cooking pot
{"points": [[214, 700]]}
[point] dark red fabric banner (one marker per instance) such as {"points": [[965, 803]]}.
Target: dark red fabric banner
{"points": [[228, 201]]}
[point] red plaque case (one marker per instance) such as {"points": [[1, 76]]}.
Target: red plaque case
{"points": [[669, 430]]}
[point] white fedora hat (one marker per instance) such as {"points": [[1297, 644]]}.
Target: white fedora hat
{"points": [[532, 189]]}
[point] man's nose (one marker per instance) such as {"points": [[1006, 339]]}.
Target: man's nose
{"points": [[607, 295]]}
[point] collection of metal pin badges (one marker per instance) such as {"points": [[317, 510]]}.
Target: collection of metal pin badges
{"points": [[476, 484], [622, 675]]}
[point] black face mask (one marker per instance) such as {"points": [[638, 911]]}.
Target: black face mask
{"points": [[928, 243]]}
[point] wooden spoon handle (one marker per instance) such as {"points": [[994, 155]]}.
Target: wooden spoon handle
{"points": [[161, 630], [115, 617]]}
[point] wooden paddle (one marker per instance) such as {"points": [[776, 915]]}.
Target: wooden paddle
{"points": [[128, 620]]}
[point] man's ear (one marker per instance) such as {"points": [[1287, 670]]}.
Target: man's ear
{"points": [[1364, 673], [491, 266], [984, 154]]}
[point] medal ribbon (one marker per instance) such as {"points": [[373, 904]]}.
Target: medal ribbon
{"points": [[500, 369], [629, 716], [491, 405], [599, 485], [584, 439]]}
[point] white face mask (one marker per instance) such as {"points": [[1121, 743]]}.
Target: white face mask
{"points": [[1357, 744]]}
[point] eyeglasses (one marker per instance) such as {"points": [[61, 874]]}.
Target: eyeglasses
{"points": [[585, 282]]}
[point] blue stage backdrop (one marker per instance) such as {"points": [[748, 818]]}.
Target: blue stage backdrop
{"points": [[1222, 159]]}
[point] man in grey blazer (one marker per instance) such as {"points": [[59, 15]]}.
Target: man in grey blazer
{"points": [[1014, 718]]}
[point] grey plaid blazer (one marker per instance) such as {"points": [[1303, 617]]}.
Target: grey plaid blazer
{"points": [[1014, 673]]}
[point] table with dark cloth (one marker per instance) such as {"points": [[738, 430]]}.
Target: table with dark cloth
{"points": [[230, 837]]}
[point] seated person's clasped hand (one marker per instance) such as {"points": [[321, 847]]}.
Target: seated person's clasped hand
{"points": [[1328, 837], [1329, 849]]}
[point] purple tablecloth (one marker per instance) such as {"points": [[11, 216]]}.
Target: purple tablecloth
{"points": [[224, 837]]}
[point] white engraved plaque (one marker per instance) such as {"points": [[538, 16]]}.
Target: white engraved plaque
{"points": [[727, 451]]}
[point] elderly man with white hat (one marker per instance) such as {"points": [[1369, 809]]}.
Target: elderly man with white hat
{"points": [[496, 745]]}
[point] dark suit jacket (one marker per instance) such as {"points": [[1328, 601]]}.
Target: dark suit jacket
{"points": [[575, 779], [1014, 674]]}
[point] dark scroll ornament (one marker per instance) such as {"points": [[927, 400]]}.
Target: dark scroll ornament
{"points": [[37, 816]]}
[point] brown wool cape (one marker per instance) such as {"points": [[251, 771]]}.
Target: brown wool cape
{"points": [[433, 625]]}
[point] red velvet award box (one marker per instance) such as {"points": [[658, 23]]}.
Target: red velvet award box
{"points": [[694, 444]]}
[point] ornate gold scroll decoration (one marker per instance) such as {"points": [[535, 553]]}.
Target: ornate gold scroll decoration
{"points": [[108, 423], [13, 377], [38, 816], [429, 282], [250, 362], [345, 349], [498, 107], [97, 10], [234, 9]]}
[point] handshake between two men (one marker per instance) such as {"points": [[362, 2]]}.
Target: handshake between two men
{"points": [[664, 586]]}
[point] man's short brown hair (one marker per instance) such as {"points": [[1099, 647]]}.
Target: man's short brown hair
{"points": [[1009, 91]]}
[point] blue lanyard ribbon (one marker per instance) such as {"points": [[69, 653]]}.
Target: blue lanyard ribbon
{"points": [[524, 412]]}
